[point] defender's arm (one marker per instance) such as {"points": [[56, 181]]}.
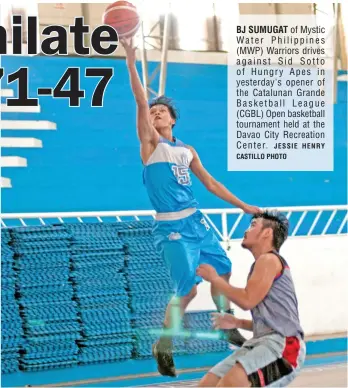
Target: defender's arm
{"points": [[260, 282]]}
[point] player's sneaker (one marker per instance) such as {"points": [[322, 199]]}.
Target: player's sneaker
{"points": [[234, 337], [164, 359]]}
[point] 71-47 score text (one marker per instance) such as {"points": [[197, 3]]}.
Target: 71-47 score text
{"points": [[70, 77]]}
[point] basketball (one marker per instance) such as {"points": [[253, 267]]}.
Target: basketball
{"points": [[124, 17]]}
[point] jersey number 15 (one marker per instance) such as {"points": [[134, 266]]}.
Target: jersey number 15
{"points": [[182, 175]]}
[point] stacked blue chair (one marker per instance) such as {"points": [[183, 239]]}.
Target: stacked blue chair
{"points": [[11, 324], [100, 290], [149, 285], [49, 313]]}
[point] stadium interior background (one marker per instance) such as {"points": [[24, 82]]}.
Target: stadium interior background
{"points": [[100, 167], [87, 160]]}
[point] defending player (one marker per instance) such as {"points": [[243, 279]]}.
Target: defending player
{"points": [[276, 353]]}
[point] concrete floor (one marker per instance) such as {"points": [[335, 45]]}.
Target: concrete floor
{"points": [[324, 376]]}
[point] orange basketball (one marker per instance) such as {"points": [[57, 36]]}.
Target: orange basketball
{"points": [[124, 17]]}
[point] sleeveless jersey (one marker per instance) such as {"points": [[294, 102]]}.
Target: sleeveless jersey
{"points": [[278, 312], [167, 177]]}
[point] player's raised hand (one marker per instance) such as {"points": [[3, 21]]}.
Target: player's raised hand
{"points": [[249, 209], [224, 321], [129, 48]]}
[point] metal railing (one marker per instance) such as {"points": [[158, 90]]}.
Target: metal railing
{"points": [[227, 223]]}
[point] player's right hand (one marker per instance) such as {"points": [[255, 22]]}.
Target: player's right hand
{"points": [[129, 49], [249, 209], [224, 321]]}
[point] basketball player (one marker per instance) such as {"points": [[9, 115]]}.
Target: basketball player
{"points": [[277, 350], [181, 234]]}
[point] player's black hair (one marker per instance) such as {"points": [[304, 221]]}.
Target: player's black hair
{"points": [[168, 102], [278, 223]]}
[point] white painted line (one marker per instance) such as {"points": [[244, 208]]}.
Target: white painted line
{"points": [[323, 368], [20, 142], [27, 124], [6, 183], [6, 93], [20, 109], [343, 77], [13, 161]]}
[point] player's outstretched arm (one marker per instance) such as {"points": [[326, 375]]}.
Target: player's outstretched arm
{"points": [[216, 187], [146, 131], [260, 282]]}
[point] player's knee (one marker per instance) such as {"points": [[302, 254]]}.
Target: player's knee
{"points": [[192, 294], [209, 380], [235, 378], [226, 276], [224, 268]]}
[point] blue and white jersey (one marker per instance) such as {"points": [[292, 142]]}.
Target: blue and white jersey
{"points": [[167, 177]]}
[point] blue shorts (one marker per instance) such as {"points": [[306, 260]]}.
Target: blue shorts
{"points": [[184, 245]]}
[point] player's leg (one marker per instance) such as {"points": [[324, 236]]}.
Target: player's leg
{"points": [[181, 259], [211, 252], [216, 374], [236, 377], [221, 302], [173, 316], [163, 348], [265, 364], [178, 304], [209, 380]]}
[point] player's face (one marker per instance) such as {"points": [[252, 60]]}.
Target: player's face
{"points": [[253, 234], [160, 117]]}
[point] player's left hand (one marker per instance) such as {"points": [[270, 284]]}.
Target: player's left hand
{"points": [[207, 272], [224, 321], [249, 209], [129, 48]]}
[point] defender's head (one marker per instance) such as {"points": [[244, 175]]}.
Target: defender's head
{"points": [[267, 228], [163, 113]]}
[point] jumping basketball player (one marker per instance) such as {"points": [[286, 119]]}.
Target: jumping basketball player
{"points": [[181, 234], [277, 351]]}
